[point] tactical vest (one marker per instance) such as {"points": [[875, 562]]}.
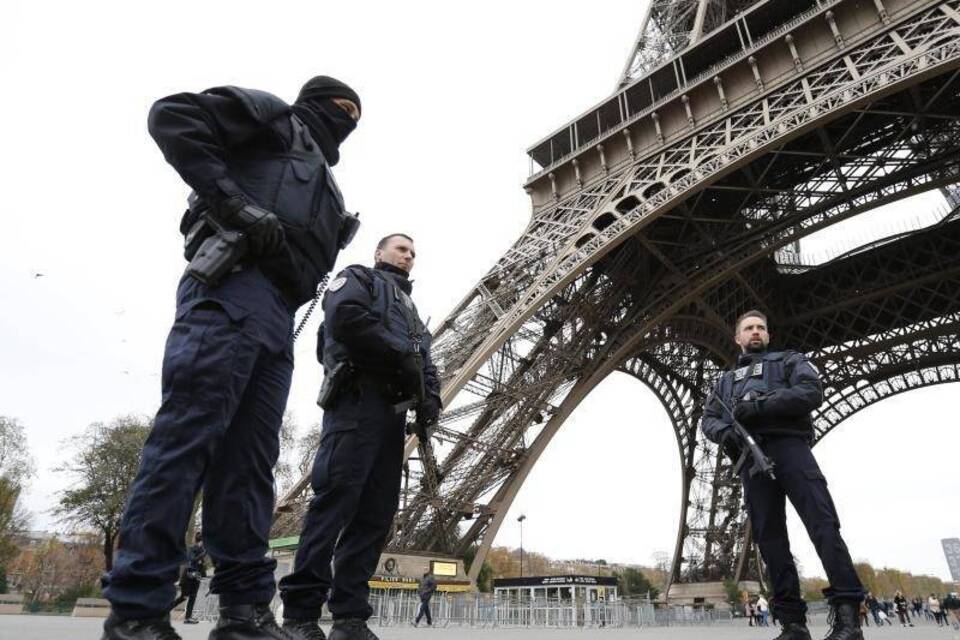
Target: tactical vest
{"points": [[284, 171], [767, 373], [399, 316]]}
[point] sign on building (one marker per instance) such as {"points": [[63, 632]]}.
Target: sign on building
{"points": [[951, 549]]}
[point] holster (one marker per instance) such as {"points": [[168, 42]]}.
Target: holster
{"points": [[217, 256], [334, 381]]}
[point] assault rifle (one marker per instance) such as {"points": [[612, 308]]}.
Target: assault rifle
{"points": [[745, 447]]}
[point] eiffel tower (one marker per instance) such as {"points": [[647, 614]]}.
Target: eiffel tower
{"points": [[737, 128]]}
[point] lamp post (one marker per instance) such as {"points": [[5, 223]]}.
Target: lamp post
{"points": [[520, 520]]}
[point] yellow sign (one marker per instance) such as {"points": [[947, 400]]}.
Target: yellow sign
{"points": [[446, 569]]}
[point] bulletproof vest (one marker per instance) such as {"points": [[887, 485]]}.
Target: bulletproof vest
{"points": [[767, 372], [399, 316], [284, 171]]}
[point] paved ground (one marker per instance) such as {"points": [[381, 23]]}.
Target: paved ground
{"points": [[64, 628]]}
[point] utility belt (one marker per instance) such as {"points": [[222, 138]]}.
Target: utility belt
{"points": [[343, 378]]}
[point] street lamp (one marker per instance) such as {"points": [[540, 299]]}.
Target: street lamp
{"points": [[520, 520]]}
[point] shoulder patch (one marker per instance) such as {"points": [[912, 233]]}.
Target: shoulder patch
{"points": [[336, 284]]}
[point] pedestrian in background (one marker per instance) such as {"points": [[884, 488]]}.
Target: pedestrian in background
{"points": [[426, 589]]}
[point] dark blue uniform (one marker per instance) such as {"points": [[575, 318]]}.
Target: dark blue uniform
{"points": [[228, 360], [784, 388], [357, 469]]}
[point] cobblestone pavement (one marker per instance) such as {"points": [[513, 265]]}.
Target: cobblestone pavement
{"points": [[64, 628]]}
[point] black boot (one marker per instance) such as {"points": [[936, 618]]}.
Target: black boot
{"points": [[794, 631], [844, 621], [247, 622], [351, 629], [304, 629], [144, 629]]}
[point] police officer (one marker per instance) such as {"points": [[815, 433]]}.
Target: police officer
{"points": [[193, 572], [376, 356], [266, 207], [772, 393]]}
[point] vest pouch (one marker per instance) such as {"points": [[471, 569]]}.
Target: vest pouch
{"points": [[327, 219]]}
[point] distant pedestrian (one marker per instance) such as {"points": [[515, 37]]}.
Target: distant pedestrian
{"points": [[763, 611], [874, 606], [194, 571], [935, 609], [749, 611], [427, 587], [864, 619], [900, 604], [951, 609], [883, 617]]}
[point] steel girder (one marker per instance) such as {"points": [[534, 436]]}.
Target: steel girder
{"points": [[614, 275]]}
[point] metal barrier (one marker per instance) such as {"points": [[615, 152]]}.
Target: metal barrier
{"points": [[482, 610]]}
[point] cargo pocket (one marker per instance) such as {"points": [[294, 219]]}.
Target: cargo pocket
{"points": [[335, 460], [820, 496], [203, 346]]}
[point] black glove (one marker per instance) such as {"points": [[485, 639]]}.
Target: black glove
{"points": [[728, 444], [428, 413], [747, 411], [262, 228], [411, 375]]}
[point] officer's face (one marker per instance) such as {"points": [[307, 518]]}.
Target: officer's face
{"points": [[348, 105], [752, 334], [399, 252]]}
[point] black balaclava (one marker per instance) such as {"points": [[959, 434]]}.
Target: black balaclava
{"points": [[329, 124]]}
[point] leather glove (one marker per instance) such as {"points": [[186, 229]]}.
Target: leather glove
{"points": [[747, 411], [728, 444], [428, 412], [411, 375], [262, 228]]}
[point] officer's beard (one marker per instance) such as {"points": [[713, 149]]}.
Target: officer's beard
{"points": [[755, 346], [328, 123]]}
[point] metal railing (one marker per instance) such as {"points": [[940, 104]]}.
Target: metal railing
{"points": [[482, 610]]}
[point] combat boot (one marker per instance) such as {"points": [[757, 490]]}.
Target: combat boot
{"points": [[303, 629], [159, 628], [794, 631], [351, 629], [844, 621], [247, 622]]}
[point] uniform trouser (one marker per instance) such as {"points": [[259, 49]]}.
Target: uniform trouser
{"points": [[356, 484], [226, 375], [800, 479]]}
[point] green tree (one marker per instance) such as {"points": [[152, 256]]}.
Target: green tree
{"points": [[16, 467], [633, 582], [485, 577], [104, 465]]}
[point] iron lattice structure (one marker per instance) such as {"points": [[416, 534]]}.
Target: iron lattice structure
{"points": [[738, 128]]}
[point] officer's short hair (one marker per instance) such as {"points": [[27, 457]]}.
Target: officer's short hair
{"points": [[753, 313], [385, 239]]}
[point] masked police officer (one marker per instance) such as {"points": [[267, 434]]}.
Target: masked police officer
{"points": [[376, 356], [772, 393], [265, 224]]}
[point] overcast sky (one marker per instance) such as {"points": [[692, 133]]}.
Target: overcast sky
{"points": [[452, 93]]}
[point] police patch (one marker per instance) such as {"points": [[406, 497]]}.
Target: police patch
{"points": [[337, 284]]}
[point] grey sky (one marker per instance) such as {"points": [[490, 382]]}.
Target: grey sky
{"points": [[452, 95]]}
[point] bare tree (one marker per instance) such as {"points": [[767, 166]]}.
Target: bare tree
{"points": [[105, 463], [16, 467], [308, 445], [283, 471]]}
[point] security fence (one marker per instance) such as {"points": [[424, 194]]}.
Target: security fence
{"points": [[483, 610]]}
